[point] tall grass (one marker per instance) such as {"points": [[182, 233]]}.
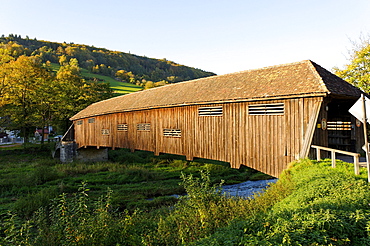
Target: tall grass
{"points": [[76, 221], [324, 206], [311, 204], [205, 210]]}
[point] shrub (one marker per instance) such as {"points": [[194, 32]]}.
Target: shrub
{"points": [[27, 205], [42, 174], [328, 206], [311, 204], [77, 221]]}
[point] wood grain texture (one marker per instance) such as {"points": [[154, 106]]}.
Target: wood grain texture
{"points": [[264, 142]]}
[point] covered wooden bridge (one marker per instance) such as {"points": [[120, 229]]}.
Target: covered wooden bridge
{"points": [[263, 118]]}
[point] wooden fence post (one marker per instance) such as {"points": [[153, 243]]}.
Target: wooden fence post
{"points": [[356, 156], [356, 163], [333, 161], [318, 154]]}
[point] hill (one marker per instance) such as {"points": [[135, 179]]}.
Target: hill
{"points": [[119, 87], [120, 66]]}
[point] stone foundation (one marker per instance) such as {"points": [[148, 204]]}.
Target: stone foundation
{"points": [[67, 151], [92, 154]]}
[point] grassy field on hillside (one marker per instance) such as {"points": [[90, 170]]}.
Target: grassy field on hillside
{"points": [[120, 88]]}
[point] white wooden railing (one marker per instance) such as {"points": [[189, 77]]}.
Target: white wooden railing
{"points": [[356, 156]]}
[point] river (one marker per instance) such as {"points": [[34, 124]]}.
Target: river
{"points": [[246, 189]]}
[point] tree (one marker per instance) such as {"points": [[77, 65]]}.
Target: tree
{"points": [[357, 72], [75, 93], [22, 79], [32, 96], [122, 74], [148, 85], [63, 60], [5, 72], [46, 104]]}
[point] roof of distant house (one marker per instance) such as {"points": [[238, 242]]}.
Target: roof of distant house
{"points": [[299, 79]]}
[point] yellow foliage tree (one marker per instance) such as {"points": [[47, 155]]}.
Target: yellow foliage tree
{"points": [[357, 72]]}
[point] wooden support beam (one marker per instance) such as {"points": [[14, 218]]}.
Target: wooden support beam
{"points": [[310, 129]]}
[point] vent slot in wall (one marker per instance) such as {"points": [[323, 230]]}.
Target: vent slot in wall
{"points": [[176, 133], [143, 127], [266, 109], [210, 111], [122, 127]]}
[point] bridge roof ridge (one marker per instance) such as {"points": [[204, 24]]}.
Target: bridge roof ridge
{"points": [[287, 80]]}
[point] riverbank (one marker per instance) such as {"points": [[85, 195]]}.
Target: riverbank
{"points": [[127, 202]]}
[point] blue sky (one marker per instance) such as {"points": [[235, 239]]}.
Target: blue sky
{"points": [[220, 36]]}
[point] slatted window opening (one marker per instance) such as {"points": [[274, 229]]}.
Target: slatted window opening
{"points": [[175, 133], [79, 122], [91, 120], [266, 109], [122, 127], [143, 127], [210, 111], [339, 125], [105, 131]]}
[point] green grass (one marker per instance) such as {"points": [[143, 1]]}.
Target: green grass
{"points": [[120, 88], [127, 201], [311, 204], [138, 179]]}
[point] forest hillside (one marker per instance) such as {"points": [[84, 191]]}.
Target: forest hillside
{"points": [[121, 66]]}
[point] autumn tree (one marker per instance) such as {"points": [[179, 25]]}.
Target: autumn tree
{"points": [[23, 78], [46, 104], [4, 74], [75, 93], [32, 96], [149, 85], [63, 60], [357, 72]]}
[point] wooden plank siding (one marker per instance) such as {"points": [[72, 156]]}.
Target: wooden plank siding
{"points": [[270, 117], [264, 142]]}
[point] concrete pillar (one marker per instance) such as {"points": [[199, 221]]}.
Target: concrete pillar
{"points": [[67, 151]]}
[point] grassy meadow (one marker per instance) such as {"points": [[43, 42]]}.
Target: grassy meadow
{"points": [[119, 88], [128, 201], [29, 178]]}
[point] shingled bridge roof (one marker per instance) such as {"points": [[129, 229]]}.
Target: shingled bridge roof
{"points": [[298, 79]]}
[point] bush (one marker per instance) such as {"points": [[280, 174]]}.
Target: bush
{"points": [[318, 205], [196, 215], [311, 204], [77, 221], [27, 205]]}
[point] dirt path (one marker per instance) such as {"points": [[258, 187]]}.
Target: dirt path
{"points": [[10, 145]]}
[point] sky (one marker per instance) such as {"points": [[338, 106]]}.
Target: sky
{"points": [[220, 36]]}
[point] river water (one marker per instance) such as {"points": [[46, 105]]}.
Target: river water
{"points": [[247, 189]]}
